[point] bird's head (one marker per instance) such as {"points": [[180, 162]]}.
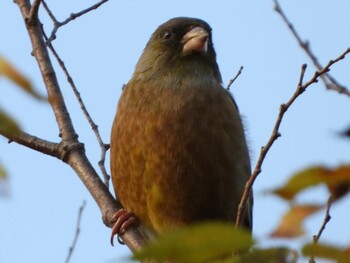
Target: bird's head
{"points": [[179, 48]]}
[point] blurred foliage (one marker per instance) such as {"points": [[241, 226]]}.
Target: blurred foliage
{"points": [[8, 71], [270, 255], [346, 133], [212, 242], [223, 243], [8, 126], [324, 251], [4, 189], [2, 172], [205, 242], [337, 181], [291, 223]]}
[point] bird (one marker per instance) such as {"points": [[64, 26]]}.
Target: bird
{"points": [[178, 152]]}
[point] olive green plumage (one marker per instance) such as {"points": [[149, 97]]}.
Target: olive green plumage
{"points": [[178, 149]]}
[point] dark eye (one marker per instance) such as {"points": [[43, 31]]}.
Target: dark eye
{"points": [[166, 35]]}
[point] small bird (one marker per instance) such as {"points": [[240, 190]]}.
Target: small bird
{"points": [[178, 150]]}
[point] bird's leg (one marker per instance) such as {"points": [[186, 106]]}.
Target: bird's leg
{"points": [[123, 219]]}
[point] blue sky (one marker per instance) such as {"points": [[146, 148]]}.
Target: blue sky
{"points": [[38, 220]]}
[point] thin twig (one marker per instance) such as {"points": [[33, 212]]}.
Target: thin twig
{"points": [[77, 232], [51, 15], [233, 80], [104, 147], [264, 150], [56, 23], [275, 132], [101, 162], [73, 16], [327, 79], [327, 218]]}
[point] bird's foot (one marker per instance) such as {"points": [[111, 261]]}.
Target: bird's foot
{"points": [[123, 219]]}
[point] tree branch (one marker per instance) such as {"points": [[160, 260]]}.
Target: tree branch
{"points": [[275, 132], [73, 16], [327, 79], [326, 219], [54, 93], [104, 147], [75, 154], [77, 232], [33, 142], [33, 14], [234, 79]]}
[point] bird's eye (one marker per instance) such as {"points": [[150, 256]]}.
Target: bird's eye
{"points": [[166, 35]]}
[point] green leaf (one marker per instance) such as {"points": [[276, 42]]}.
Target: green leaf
{"points": [[337, 254], [2, 172], [4, 187], [198, 243], [8, 126], [270, 255]]}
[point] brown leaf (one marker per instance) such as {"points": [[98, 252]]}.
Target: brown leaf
{"points": [[7, 70], [337, 180], [291, 223]]}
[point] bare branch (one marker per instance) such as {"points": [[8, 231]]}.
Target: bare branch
{"points": [[74, 154], [327, 79], [77, 232], [326, 219], [275, 132], [104, 147], [54, 93], [233, 80], [101, 163], [33, 14], [33, 142], [73, 16], [264, 150], [56, 24]]}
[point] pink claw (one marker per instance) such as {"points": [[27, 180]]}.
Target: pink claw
{"points": [[124, 218]]}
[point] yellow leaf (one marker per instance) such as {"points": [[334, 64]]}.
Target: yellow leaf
{"points": [[291, 223], [2, 172], [337, 254], [204, 242], [7, 70], [337, 181], [8, 126], [4, 187]]}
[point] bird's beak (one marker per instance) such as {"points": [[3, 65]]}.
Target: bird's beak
{"points": [[195, 40]]}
